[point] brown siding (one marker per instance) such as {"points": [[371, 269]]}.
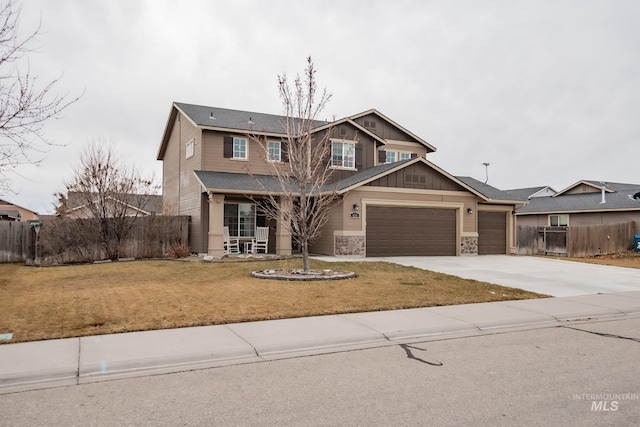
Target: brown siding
{"points": [[585, 218], [583, 188], [417, 176], [325, 243], [383, 129]]}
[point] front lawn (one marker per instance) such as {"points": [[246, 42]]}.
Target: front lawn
{"points": [[79, 300]]}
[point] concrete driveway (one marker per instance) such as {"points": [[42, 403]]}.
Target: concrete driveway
{"points": [[555, 277]]}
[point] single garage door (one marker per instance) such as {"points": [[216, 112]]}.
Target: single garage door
{"points": [[492, 233], [400, 231]]}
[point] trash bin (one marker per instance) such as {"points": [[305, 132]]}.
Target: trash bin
{"points": [[636, 242]]}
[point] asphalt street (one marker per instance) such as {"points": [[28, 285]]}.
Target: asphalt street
{"points": [[574, 374]]}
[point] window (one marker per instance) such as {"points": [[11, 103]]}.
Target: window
{"points": [[239, 148], [391, 156], [405, 155], [558, 220], [274, 151], [343, 154], [190, 148], [240, 218]]}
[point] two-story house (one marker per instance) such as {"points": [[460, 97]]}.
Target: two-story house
{"points": [[393, 200]]}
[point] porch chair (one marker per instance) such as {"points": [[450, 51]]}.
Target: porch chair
{"points": [[231, 246], [261, 241]]}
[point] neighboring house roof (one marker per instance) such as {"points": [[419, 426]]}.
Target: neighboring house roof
{"points": [[10, 215], [6, 206], [530, 192], [146, 204], [487, 191], [618, 196]]}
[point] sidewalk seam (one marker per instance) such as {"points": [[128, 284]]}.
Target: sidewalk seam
{"points": [[79, 356], [255, 351]]}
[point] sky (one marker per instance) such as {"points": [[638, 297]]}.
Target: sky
{"points": [[545, 91]]}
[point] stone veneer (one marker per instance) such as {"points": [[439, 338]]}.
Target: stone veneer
{"points": [[349, 245], [469, 246]]}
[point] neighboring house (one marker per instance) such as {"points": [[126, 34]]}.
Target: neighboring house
{"points": [[75, 205], [13, 212], [393, 200], [582, 203]]}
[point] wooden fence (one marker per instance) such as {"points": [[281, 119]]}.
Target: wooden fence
{"points": [[151, 237], [575, 241], [17, 241]]}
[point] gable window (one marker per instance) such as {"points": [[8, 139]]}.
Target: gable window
{"points": [[190, 149], [558, 220], [343, 154], [275, 152], [239, 148], [404, 155], [240, 218], [391, 156]]}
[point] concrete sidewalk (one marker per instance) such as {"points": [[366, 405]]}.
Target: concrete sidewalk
{"points": [[43, 364]]}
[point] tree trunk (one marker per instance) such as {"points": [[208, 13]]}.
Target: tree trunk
{"points": [[305, 257]]}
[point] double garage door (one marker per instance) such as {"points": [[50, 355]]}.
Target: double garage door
{"points": [[403, 231]]}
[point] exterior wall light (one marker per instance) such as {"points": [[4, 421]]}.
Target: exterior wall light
{"points": [[356, 208], [469, 211]]}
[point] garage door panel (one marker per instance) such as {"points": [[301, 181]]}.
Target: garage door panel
{"points": [[402, 231], [492, 233]]}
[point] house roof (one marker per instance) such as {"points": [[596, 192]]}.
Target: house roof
{"points": [[224, 118], [242, 183], [489, 192], [6, 204], [528, 193], [145, 203], [271, 124], [618, 196]]}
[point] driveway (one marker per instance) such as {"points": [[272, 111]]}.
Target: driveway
{"points": [[555, 277]]}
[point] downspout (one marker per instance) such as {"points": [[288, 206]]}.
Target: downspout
{"points": [[179, 162]]}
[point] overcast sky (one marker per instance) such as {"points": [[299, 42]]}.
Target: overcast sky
{"points": [[547, 92]]}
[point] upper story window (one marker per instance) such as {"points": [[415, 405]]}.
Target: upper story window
{"points": [[343, 154], [191, 148], [558, 220], [240, 148], [275, 151], [404, 155], [391, 157]]}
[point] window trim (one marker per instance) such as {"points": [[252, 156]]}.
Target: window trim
{"points": [[190, 148], [559, 216], [246, 148], [269, 159], [352, 156]]}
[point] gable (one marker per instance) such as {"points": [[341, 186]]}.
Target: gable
{"points": [[417, 176], [382, 128], [582, 188]]}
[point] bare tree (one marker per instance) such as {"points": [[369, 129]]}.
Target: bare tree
{"points": [[25, 105], [305, 195], [109, 192]]}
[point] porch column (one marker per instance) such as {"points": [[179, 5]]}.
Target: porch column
{"points": [[283, 235], [215, 245]]}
